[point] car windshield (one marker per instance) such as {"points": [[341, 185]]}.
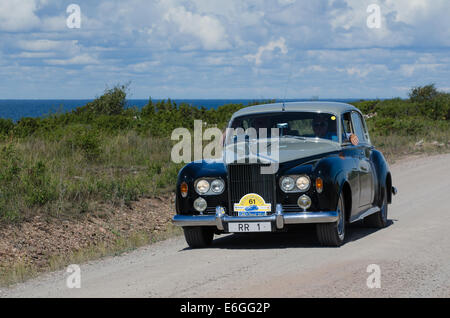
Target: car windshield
{"points": [[300, 125]]}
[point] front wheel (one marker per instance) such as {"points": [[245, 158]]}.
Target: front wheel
{"points": [[333, 234], [198, 237]]}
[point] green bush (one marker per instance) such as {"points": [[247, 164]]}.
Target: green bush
{"points": [[423, 94], [10, 170], [85, 139], [112, 102], [6, 126], [26, 127], [426, 109], [39, 188]]}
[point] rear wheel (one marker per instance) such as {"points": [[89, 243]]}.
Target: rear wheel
{"points": [[379, 220], [198, 237], [333, 234]]}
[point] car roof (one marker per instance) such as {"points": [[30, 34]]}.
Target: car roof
{"points": [[323, 107]]}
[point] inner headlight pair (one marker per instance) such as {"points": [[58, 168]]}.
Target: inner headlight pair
{"points": [[295, 183], [209, 186]]}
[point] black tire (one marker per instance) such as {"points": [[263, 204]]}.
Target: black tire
{"points": [[379, 220], [198, 237], [333, 234]]}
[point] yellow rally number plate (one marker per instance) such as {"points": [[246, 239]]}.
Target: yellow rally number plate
{"points": [[252, 205]]}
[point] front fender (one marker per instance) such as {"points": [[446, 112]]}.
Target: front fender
{"points": [[335, 172], [189, 174]]}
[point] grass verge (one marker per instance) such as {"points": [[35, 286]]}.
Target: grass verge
{"points": [[21, 271]]}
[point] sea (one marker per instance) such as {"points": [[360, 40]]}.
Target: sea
{"points": [[16, 109]]}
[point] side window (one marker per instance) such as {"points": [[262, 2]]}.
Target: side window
{"points": [[366, 131], [347, 128], [358, 125]]}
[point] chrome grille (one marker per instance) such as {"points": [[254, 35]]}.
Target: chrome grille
{"points": [[247, 178]]}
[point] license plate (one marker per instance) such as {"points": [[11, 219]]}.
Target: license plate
{"points": [[249, 227]]}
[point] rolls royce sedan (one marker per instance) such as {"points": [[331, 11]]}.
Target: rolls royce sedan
{"points": [[326, 172]]}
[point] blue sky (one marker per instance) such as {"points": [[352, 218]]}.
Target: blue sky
{"points": [[223, 48]]}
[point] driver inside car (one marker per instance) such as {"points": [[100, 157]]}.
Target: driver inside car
{"points": [[321, 129]]}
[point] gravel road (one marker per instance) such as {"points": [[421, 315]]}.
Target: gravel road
{"points": [[413, 254]]}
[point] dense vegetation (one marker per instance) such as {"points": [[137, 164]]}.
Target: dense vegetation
{"points": [[65, 164], [426, 109]]}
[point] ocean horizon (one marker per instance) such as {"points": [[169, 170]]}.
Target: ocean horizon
{"points": [[16, 109]]}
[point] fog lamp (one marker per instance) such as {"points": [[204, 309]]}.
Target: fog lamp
{"points": [[304, 202], [200, 205]]}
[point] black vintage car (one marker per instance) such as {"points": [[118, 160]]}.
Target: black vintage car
{"points": [[325, 172]]}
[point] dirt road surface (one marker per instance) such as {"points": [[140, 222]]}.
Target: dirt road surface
{"points": [[413, 254]]}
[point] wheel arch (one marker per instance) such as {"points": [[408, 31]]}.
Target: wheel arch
{"points": [[384, 179], [388, 185], [346, 190]]}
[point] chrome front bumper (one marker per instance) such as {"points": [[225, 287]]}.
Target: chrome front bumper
{"points": [[280, 219]]}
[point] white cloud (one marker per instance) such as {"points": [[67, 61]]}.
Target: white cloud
{"points": [[312, 69], [409, 70], [408, 11], [35, 55], [18, 15], [230, 48], [44, 45], [280, 44], [144, 66], [286, 2], [83, 59], [206, 28]]}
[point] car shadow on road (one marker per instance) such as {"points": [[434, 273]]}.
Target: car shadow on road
{"points": [[303, 236], [359, 231]]}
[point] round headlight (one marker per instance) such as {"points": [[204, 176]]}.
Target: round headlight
{"points": [[200, 204], [304, 202], [217, 186], [202, 186], [287, 184], [303, 183]]}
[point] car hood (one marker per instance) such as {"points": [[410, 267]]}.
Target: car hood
{"points": [[289, 149]]}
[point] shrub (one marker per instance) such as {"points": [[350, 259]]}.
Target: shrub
{"points": [[10, 165], [10, 170], [439, 107], [6, 125], [112, 102], [422, 94], [26, 127], [85, 139], [39, 187]]}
